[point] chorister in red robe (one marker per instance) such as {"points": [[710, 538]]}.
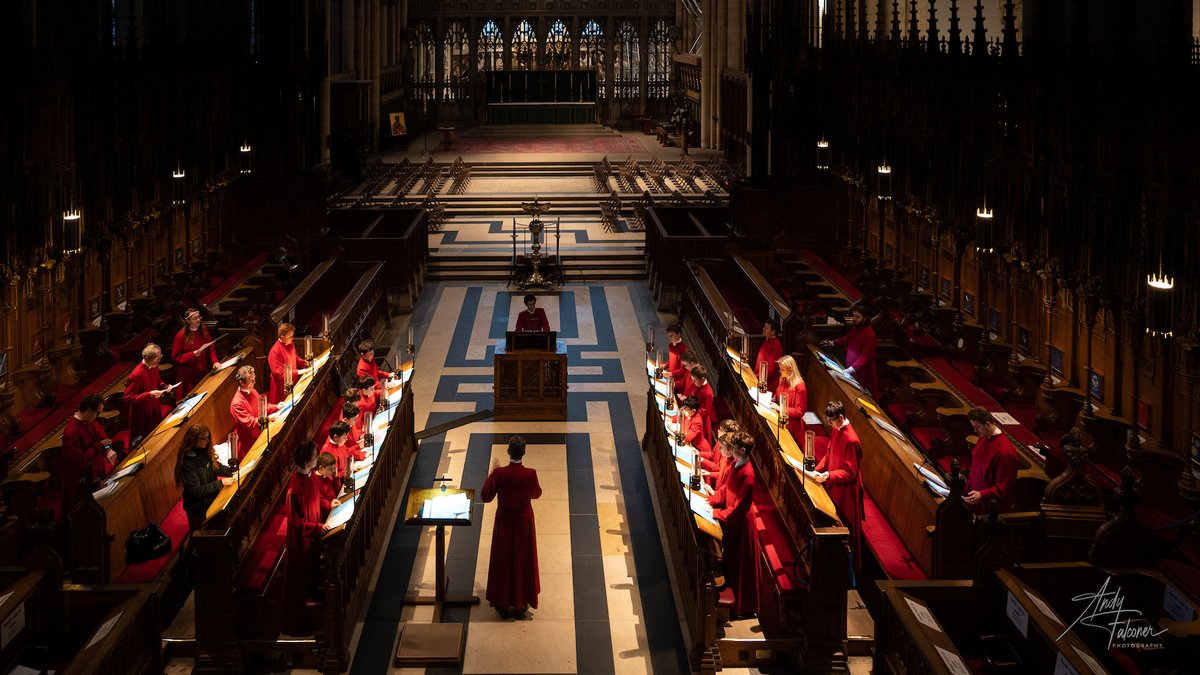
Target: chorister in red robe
{"points": [[368, 367], [513, 569], [993, 472], [675, 367], [693, 435], [704, 396], [797, 406], [280, 356], [305, 524], [190, 368], [769, 353], [345, 454], [739, 538], [82, 444], [145, 409], [368, 403], [720, 478], [532, 321], [860, 344], [245, 408], [844, 483]]}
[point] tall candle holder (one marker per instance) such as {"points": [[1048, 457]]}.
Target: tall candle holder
{"points": [[762, 377], [810, 459], [783, 407], [234, 461], [694, 479], [535, 278], [308, 351], [658, 364], [650, 338]]}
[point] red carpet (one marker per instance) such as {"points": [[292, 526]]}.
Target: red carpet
{"points": [[620, 145]]}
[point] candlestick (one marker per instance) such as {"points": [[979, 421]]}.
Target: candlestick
{"points": [[649, 337], [396, 364], [308, 348], [262, 407], [783, 406], [810, 461], [233, 443], [287, 375], [658, 366], [326, 326], [745, 347], [762, 376], [670, 393]]}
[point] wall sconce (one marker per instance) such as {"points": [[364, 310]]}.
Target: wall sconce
{"points": [[983, 229], [244, 152], [72, 238], [884, 181], [1158, 305], [822, 154]]}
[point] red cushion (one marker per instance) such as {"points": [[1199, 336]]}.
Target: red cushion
{"points": [[899, 412], [833, 276], [977, 396], [39, 422], [778, 549], [925, 436], [964, 462], [175, 526], [233, 280], [261, 558], [889, 550]]}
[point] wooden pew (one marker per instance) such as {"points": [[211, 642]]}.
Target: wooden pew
{"points": [[104, 524], [674, 235], [398, 237], [918, 626]]}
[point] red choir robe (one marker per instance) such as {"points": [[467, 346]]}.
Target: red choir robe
{"points": [[190, 368], [704, 396], [245, 408], [356, 430], [844, 484], [687, 388], [739, 537], [344, 454], [329, 488], [513, 568], [797, 406], [371, 368], [675, 365], [532, 322], [145, 411], [860, 344], [769, 352], [280, 356], [305, 524], [994, 473], [720, 478], [81, 445], [367, 403], [693, 435]]}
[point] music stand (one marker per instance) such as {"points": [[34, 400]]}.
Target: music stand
{"points": [[437, 643]]}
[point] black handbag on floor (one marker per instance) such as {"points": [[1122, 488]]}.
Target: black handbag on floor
{"points": [[145, 544]]}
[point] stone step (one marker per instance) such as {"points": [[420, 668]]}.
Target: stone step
{"points": [[573, 275]]}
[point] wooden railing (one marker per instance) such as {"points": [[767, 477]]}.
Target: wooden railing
{"points": [[674, 235], [349, 555], [398, 237], [132, 644]]}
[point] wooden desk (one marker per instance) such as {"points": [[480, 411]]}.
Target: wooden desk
{"points": [[530, 384]]}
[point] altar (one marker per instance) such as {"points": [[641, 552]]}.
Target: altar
{"points": [[541, 97]]}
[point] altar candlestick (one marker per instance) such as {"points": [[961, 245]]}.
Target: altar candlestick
{"points": [[308, 353]]}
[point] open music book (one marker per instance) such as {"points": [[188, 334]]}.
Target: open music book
{"points": [[700, 506], [449, 506], [184, 408], [932, 479], [340, 515], [231, 361]]}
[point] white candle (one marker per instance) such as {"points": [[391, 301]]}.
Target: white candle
{"points": [[327, 326], [368, 418], [308, 348], [287, 375], [783, 404], [657, 359], [809, 437], [233, 444], [410, 337], [262, 406], [762, 373]]}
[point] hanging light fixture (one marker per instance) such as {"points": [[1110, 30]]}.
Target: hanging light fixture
{"points": [[983, 229], [72, 238], [1158, 294], [177, 190], [884, 181], [822, 154], [244, 155]]}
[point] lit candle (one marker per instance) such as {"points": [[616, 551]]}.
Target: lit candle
{"points": [[657, 360], [327, 326], [745, 346], [262, 407], [410, 337], [670, 393], [783, 405], [287, 375], [810, 461], [233, 443], [308, 348]]}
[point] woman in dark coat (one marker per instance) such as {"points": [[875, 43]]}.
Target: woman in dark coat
{"points": [[200, 474], [513, 583]]}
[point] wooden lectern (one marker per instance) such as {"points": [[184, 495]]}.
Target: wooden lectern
{"points": [[530, 380], [437, 643]]}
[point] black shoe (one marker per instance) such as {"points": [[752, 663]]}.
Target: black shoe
{"points": [[520, 614], [503, 613]]}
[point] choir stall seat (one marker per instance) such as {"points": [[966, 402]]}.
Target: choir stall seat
{"points": [[175, 526], [890, 552], [780, 589], [261, 574]]}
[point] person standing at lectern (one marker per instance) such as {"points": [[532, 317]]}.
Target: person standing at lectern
{"points": [[533, 318], [367, 365], [513, 584], [193, 352], [83, 442]]}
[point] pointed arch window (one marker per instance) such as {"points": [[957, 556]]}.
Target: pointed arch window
{"points": [[658, 72], [456, 63], [424, 62], [558, 46], [524, 47], [592, 53], [628, 62], [491, 47]]}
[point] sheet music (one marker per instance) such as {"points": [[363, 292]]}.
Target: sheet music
{"points": [[108, 489], [185, 408], [889, 428], [938, 488], [1005, 419], [247, 465], [795, 463], [829, 362], [762, 398], [811, 419], [849, 379], [931, 477], [224, 451], [118, 475], [232, 361], [449, 506], [104, 629], [340, 514], [700, 506], [360, 477]]}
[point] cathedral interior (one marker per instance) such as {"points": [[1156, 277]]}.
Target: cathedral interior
{"points": [[1004, 193]]}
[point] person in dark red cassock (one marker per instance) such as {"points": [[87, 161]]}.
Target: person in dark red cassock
{"points": [[691, 430], [245, 408], [739, 538], [143, 394], [306, 511], [838, 472], [860, 343], [682, 377], [792, 384], [193, 353], [994, 465], [513, 583], [352, 417], [328, 482], [533, 318], [83, 442], [368, 397], [283, 354], [703, 392], [769, 353], [338, 446], [675, 351], [366, 363]]}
